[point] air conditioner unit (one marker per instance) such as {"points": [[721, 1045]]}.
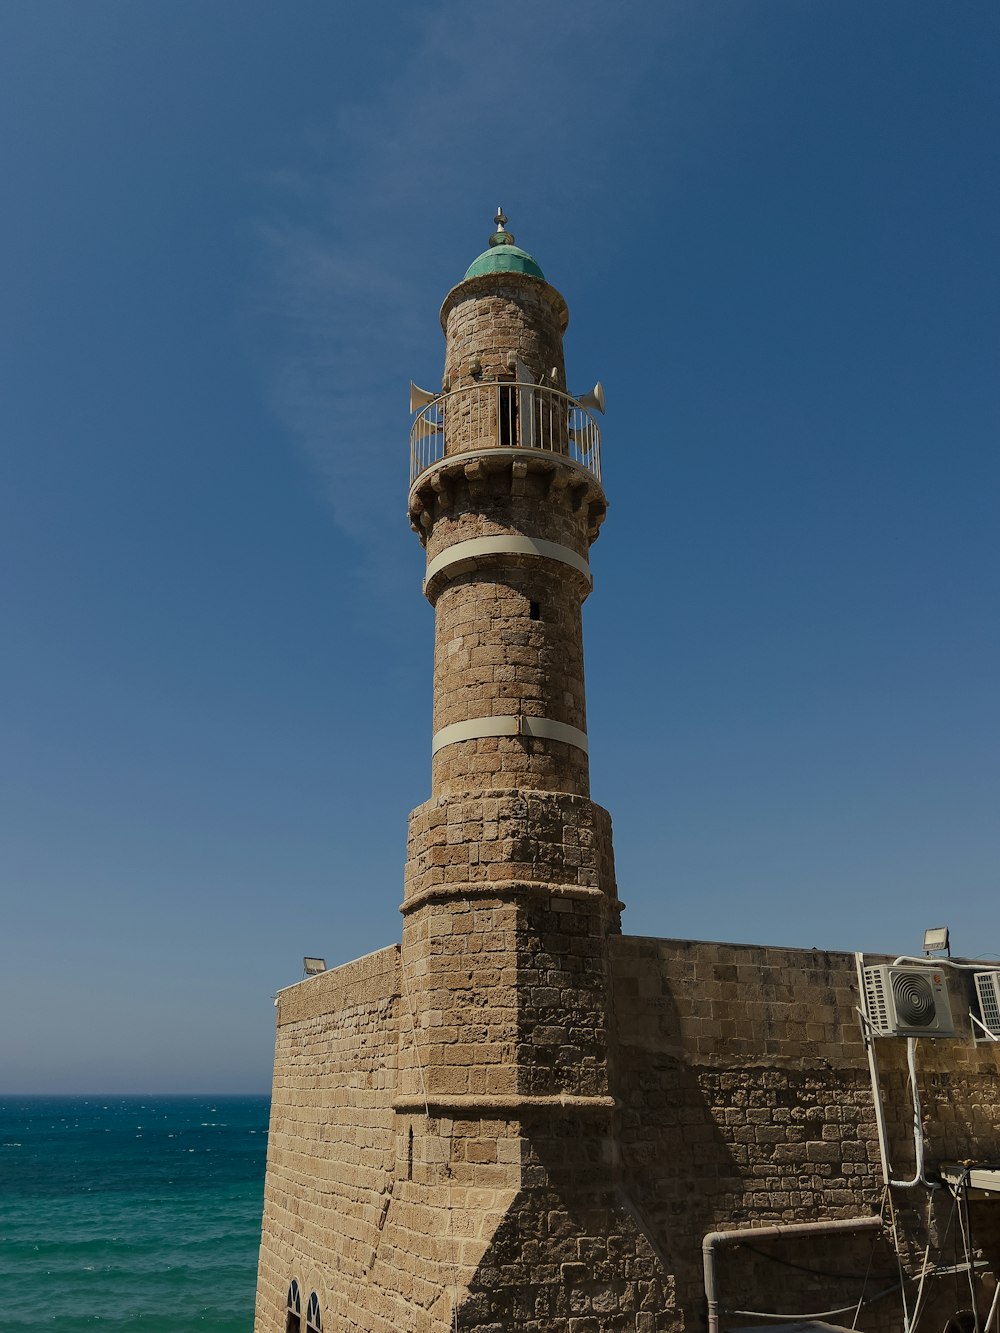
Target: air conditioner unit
{"points": [[908, 1002], [988, 990]]}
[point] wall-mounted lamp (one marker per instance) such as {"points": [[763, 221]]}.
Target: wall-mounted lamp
{"points": [[312, 967], [936, 940]]}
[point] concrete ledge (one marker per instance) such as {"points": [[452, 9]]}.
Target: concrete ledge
{"points": [[499, 1104], [489, 462], [506, 888], [372, 979]]}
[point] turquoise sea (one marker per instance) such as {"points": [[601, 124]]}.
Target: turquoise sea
{"points": [[130, 1212]]}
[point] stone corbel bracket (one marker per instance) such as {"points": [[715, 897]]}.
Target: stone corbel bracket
{"points": [[485, 469]]}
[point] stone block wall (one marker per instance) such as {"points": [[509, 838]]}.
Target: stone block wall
{"points": [[493, 658], [461, 1027], [508, 632], [503, 836], [569, 1254], [332, 1141], [541, 511], [491, 317], [418, 1221], [742, 1098], [508, 903], [746, 1100]]}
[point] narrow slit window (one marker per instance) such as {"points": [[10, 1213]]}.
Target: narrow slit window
{"points": [[409, 1154], [534, 610]]}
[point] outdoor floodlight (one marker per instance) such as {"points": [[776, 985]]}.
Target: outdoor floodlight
{"points": [[936, 940]]}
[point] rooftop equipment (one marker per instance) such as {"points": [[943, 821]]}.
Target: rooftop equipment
{"points": [[907, 1002], [988, 991], [981, 1177]]}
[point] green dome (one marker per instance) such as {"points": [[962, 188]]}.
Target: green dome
{"points": [[504, 259]]}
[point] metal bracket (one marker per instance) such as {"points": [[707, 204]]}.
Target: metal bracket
{"points": [[987, 1034]]}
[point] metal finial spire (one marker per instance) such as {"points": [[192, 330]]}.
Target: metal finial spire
{"points": [[501, 236]]}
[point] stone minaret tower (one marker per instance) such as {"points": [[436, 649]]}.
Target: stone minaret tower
{"points": [[518, 1120], [510, 896], [445, 1125], [510, 860]]}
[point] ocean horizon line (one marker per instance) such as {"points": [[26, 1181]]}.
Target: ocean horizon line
{"points": [[80, 1096]]}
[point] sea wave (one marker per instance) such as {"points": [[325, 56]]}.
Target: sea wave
{"points": [[105, 1224]]}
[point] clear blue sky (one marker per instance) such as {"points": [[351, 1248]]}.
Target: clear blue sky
{"points": [[226, 232]]}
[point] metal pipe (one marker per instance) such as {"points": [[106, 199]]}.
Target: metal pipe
{"points": [[715, 1239], [939, 962], [883, 1138], [815, 1314], [918, 1127], [919, 1178]]}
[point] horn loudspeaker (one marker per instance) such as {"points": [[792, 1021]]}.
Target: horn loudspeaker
{"points": [[420, 397], [595, 398]]}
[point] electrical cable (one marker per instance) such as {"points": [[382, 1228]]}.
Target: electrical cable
{"points": [[818, 1272], [887, 1202], [821, 1314], [927, 1270], [993, 1309], [957, 1254], [966, 1227], [864, 1285], [915, 1318]]}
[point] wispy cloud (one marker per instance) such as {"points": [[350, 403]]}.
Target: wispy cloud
{"points": [[347, 322], [400, 199]]}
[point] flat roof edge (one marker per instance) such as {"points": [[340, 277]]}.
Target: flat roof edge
{"points": [[351, 962]]}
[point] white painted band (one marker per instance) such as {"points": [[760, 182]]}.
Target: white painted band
{"points": [[477, 727], [469, 550]]}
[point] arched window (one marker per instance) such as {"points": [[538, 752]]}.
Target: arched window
{"points": [[293, 1315], [314, 1320]]}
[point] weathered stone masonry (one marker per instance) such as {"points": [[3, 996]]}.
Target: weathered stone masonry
{"points": [[519, 1118]]}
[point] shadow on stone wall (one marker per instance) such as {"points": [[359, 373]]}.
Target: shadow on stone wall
{"points": [[746, 1101], [571, 1253]]}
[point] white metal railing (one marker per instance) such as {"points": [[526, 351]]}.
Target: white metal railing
{"points": [[504, 415]]}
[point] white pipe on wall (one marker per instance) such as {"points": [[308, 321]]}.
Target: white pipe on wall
{"points": [[716, 1239], [919, 1177], [883, 1139]]}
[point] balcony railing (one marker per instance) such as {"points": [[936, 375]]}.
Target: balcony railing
{"points": [[504, 415]]}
